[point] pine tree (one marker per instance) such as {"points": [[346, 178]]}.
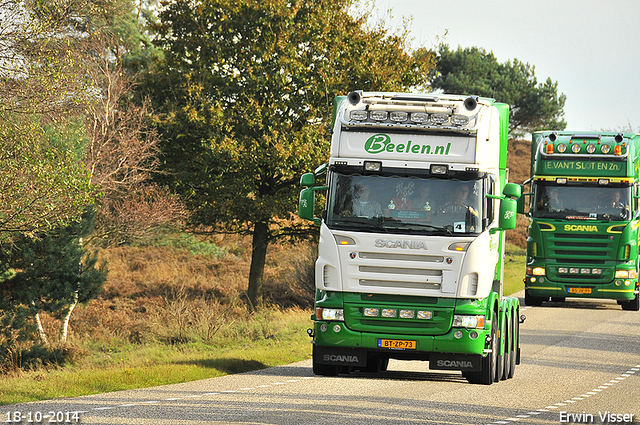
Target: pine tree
{"points": [[53, 273]]}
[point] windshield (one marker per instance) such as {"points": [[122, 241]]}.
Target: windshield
{"points": [[398, 204], [595, 202]]}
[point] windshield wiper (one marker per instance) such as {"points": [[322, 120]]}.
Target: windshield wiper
{"points": [[418, 226]]}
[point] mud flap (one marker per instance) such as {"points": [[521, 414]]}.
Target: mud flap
{"points": [[340, 356], [463, 362]]}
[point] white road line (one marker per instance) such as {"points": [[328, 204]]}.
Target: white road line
{"points": [[588, 394], [205, 394]]}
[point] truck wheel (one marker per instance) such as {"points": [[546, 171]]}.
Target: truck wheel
{"points": [[532, 301], [376, 365], [488, 373], [508, 352], [633, 305], [515, 343], [323, 369]]}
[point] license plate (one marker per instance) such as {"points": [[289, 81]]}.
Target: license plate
{"points": [[579, 290], [397, 344]]}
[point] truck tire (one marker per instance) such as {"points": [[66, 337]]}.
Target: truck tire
{"points": [[633, 305], [515, 343], [488, 373], [508, 352], [532, 301], [376, 364]]}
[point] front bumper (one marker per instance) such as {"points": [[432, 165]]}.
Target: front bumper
{"points": [[619, 289], [336, 334]]}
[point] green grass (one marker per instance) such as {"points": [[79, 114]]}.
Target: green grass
{"points": [[514, 270], [129, 366]]}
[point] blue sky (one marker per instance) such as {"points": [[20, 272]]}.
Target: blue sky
{"points": [[591, 48]]}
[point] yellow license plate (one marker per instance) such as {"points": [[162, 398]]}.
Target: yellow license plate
{"points": [[397, 344], [579, 290]]}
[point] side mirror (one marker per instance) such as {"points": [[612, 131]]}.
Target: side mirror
{"points": [[307, 203], [508, 209], [307, 180], [512, 190]]}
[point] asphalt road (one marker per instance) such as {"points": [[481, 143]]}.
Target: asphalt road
{"points": [[579, 358]]}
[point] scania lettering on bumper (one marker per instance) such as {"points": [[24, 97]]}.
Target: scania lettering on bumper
{"points": [[455, 362], [341, 356]]}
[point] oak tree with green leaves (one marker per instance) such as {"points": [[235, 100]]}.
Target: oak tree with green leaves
{"points": [[474, 71], [244, 98]]}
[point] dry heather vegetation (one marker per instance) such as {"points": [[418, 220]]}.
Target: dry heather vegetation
{"points": [[519, 168], [188, 291]]}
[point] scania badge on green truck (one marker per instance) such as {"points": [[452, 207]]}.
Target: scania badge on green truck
{"points": [[411, 251], [583, 209]]}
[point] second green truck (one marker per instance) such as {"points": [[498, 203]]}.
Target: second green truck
{"points": [[584, 217]]}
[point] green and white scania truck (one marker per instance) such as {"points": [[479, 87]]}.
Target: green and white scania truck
{"points": [[584, 217], [411, 249]]}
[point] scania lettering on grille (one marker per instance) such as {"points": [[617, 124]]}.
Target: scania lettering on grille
{"points": [[580, 228], [400, 243], [339, 358]]}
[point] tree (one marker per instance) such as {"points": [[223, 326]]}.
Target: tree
{"points": [[475, 71], [53, 273], [245, 93], [42, 181]]}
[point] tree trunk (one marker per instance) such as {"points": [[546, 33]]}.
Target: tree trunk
{"points": [[64, 328], [43, 335], [258, 257]]}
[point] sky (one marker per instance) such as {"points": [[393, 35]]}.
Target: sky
{"points": [[591, 48]]}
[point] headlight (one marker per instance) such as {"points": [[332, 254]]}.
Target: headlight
{"points": [[536, 271], [419, 117], [378, 115], [625, 274], [439, 118], [425, 314], [460, 321], [389, 312], [407, 314], [459, 120], [358, 115], [330, 314], [371, 312], [399, 116]]}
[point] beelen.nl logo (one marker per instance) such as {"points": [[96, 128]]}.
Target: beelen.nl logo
{"points": [[379, 143]]}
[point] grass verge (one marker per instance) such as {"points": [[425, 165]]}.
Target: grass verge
{"points": [[132, 366], [514, 270]]}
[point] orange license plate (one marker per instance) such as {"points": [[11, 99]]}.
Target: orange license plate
{"points": [[579, 290], [397, 344]]}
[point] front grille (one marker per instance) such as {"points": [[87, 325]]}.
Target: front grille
{"points": [[399, 284], [581, 250], [401, 257]]}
